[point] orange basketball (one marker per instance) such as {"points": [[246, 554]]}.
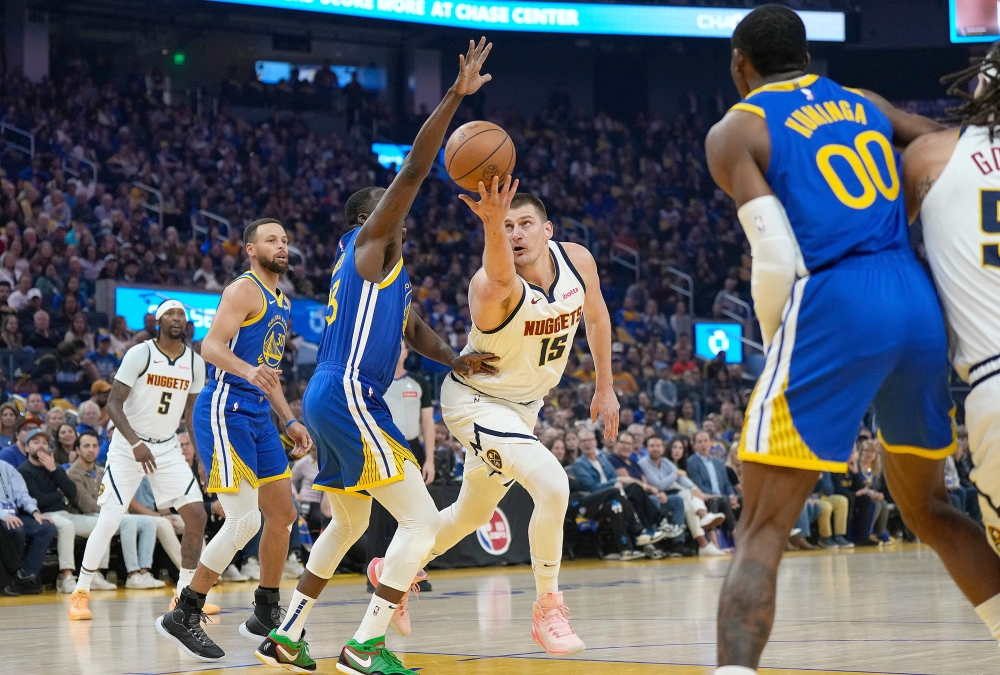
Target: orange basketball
{"points": [[478, 151]]}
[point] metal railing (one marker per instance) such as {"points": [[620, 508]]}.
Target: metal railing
{"points": [[746, 319], [74, 171], [687, 289], [295, 251], [203, 230], [627, 257], [574, 226], [28, 149], [154, 207]]}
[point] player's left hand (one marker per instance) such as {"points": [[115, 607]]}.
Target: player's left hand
{"points": [[605, 404], [474, 362], [297, 432]]}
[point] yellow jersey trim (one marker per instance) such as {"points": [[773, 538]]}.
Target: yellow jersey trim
{"points": [[926, 453], [393, 274], [855, 91], [260, 314], [790, 85], [240, 472], [339, 491], [277, 296], [793, 462], [270, 479], [750, 108]]}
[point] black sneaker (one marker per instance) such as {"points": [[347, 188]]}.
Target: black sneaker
{"points": [[28, 584], [10, 591], [424, 585], [267, 616], [182, 626]]}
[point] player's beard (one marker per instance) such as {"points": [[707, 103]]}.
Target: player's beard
{"points": [[273, 265], [175, 332]]}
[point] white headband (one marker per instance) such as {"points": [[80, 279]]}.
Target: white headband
{"points": [[167, 305]]}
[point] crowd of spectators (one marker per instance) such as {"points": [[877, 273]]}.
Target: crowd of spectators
{"points": [[641, 186]]}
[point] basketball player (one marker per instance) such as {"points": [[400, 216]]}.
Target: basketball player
{"points": [[156, 384], [362, 454], [812, 167], [952, 181], [527, 302], [241, 446]]}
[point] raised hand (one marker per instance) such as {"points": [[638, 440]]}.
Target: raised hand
{"points": [[469, 80], [494, 204], [474, 362]]}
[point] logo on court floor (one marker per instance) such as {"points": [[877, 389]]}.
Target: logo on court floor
{"points": [[495, 535], [493, 457]]}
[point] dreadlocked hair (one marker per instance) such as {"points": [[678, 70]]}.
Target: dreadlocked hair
{"points": [[981, 111]]}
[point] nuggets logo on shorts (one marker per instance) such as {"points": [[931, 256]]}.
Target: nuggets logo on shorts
{"points": [[994, 536], [493, 457], [100, 490], [274, 343]]}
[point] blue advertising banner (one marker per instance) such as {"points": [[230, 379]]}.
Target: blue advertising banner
{"points": [[559, 17], [134, 303], [712, 338]]}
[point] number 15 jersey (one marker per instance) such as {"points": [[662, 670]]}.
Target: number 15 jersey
{"points": [[534, 342], [833, 167]]}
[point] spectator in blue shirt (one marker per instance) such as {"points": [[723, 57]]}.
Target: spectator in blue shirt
{"points": [[30, 531], [107, 361], [709, 474], [16, 453]]}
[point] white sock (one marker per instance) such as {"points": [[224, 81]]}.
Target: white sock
{"points": [[735, 670], [295, 619], [184, 579], [376, 619], [546, 576], [989, 612], [83, 583]]}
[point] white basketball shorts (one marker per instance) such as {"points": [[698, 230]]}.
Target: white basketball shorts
{"points": [[174, 484]]}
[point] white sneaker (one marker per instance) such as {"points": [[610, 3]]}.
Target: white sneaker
{"points": [[67, 584], [710, 520], [796, 531], [632, 555], [293, 568], [644, 539], [710, 550], [672, 531], [252, 569], [143, 580], [99, 583], [233, 573]]}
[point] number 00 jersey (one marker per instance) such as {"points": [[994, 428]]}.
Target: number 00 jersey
{"points": [[833, 168], [961, 219], [534, 342], [160, 387]]}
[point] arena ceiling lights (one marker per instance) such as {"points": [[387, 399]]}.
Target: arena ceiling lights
{"points": [[558, 17]]}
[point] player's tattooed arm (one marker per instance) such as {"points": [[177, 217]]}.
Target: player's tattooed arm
{"points": [[906, 127], [424, 341], [923, 188], [382, 230], [922, 164], [116, 412]]}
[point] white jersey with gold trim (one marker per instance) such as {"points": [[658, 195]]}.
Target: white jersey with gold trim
{"points": [[160, 387], [534, 342], [961, 222]]}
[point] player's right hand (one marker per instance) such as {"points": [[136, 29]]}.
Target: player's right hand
{"points": [[469, 80], [264, 377], [144, 456], [494, 204]]}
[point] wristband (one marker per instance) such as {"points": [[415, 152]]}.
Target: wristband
{"points": [[138, 443], [290, 422]]}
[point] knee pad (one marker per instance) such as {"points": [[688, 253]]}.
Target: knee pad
{"points": [[245, 528]]}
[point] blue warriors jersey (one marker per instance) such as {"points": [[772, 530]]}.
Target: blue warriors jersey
{"points": [[365, 320], [260, 340], [833, 167]]}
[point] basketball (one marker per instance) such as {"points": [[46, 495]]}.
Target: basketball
{"points": [[478, 151]]}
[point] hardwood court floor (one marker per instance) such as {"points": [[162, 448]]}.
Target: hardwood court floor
{"points": [[860, 613]]}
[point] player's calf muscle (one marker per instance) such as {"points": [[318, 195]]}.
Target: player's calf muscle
{"points": [[746, 612]]}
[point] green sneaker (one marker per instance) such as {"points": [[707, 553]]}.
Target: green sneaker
{"points": [[370, 658], [279, 651]]}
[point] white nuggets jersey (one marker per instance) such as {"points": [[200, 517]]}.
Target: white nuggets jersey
{"points": [[160, 387], [961, 220], [534, 342]]}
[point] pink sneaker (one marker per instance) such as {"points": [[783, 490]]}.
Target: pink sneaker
{"points": [[400, 621], [550, 626]]}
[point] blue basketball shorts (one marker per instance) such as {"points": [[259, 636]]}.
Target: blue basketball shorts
{"points": [[357, 443], [236, 438], [866, 330]]}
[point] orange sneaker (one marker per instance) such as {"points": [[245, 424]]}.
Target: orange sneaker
{"points": [[79, 606], [550, 626], [400, 621], [209, 608]]}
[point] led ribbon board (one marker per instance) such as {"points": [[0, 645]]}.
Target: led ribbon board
{"points": [[558, 17]]}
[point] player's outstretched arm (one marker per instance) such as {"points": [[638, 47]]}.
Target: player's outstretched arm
{"points": [[906, 127], [240, 301], [384, 225], [598, 323], [495, 288], [424, 341]]}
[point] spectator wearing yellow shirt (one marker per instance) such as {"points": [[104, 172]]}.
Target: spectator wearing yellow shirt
{"points": [[622, 380]]}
